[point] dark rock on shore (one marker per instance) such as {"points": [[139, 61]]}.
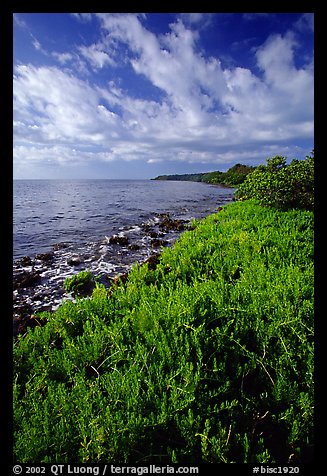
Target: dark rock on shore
{"points": [[26, 261], [119, 240], [26, 279], [21, 315], [168, 224], [152, 262], [156, 243], [146, 227], [74, 261], [133, 247], [45, 256], [21, 323]]}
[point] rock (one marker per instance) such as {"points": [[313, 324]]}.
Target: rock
{"points": [[105, 279], [133, 247], [23, 310], [118, 240], [45, 256], [43, 295], [152, 262], [95, 257], [169, 224], [146, 227], [74, 261], [155, 243], [26, 261], [21, 323], [26, 279]]}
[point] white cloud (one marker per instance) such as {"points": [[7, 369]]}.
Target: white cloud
{"points": [[291, 88], [171, 63], [64, 107], [63, 57], [96, 55], [205, 113]]}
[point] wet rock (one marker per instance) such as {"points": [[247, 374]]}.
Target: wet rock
{"points": [[119, 240], [45, 256], [23, 310], [168, 224], [26, 279], [39, 286], [155, 243], [21, 323], [74, 261], [26, 261], [95, 257], [43, 295], [152, 262], [147, 228], [133, 247]]}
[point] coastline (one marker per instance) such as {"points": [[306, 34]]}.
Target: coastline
{"points": [[210, 327], [38, 281]]}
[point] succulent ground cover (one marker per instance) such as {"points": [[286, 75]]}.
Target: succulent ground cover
{"points": [[205, 355]]}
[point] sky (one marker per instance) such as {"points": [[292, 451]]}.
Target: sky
{"points": [[133, 96]]}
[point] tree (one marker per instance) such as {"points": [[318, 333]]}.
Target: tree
{"points": [[281, 185]]}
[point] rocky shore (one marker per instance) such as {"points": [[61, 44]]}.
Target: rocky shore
{"points": [[38, 281]]}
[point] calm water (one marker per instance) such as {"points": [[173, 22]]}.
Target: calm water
{"points": [[47, 212]]}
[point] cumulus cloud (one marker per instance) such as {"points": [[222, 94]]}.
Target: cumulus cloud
{"points": [[96, 55], [65, 108], [170, 62], [205, 94], [291, 87], [204, 113]]}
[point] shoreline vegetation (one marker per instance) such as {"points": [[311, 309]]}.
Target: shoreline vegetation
{"points": [[233, 177], [203, 355]]}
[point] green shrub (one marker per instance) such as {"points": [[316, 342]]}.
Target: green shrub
{"points": [[281, 185], [80, 284]]}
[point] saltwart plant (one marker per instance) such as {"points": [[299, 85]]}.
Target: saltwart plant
{"points": [[206, 357]]}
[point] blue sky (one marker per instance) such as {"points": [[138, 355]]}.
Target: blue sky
{"points": [[117, 95]]}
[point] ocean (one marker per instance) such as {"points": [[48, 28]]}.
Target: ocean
{"points": [[61, 227]]}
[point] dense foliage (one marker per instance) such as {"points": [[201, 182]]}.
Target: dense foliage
{"points": [[206, 358], [281, 185], [234, 176], [80, 284]]}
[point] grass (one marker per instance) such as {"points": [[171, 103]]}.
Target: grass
{"points": [[206, 358]]}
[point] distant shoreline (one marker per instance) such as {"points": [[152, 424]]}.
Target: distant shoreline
{"points": [[232, 178], [223, 185]]}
